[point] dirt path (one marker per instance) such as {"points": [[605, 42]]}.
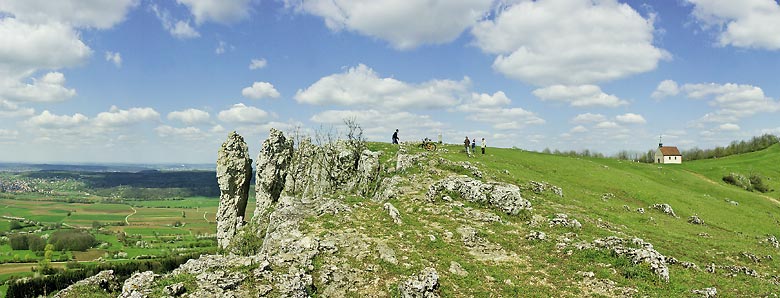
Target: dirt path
{"points": [[131, 214], [702, 177]]}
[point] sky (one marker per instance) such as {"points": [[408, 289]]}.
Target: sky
{"points": [[142, 81]]}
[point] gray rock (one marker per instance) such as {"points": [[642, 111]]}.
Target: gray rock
{"points": [[707, 292], [106, 280], [388, 189], [640, 210], [563, 220], [536, 235], [540, 187], [635, 249], [139, 285], [424, 285], [772, 240], [234, 172], [394, 214], [695, 220], [175, 290], [272, 163], [505, 197], [386, 253], [456, 269], [665, 208]]}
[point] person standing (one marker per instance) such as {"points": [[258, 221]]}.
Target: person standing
{"points": [[474, 145], [483, 146], [395, 136], [466, 144]]}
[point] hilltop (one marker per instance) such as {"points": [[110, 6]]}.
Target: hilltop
{"points": [[509, 223]]}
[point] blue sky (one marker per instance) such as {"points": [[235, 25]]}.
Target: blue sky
{"points": [[166, 81]]}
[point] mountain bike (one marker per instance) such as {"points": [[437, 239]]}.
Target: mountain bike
{"points": [[428, 145]]}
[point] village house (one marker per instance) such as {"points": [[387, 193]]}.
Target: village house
{"points": [[668, 155]]}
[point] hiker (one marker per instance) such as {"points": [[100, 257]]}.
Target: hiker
{"points": [[466, 144], [474, 145], [483, 146], [395, 136]]}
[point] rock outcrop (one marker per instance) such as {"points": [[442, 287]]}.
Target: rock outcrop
{"points": [[695, 220], [138, 285], [394, 214], [272, 165], [635, 249], [105, 280], [563, 220], [234, 173], [665, 208], [505, 197], [423, 285], [706, 292]]}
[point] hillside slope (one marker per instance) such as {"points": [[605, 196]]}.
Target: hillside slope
{"points": [[454, 246]]}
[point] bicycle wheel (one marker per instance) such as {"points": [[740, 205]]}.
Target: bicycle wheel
{"points": [[430, 147]]}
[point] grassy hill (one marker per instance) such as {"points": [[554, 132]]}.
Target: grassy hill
{"points": [[694, 188], [478, 251]]}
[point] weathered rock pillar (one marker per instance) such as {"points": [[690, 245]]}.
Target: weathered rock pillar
{"points": [[272, 165], [234, 172]]}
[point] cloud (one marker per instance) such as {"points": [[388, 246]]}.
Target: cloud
{"points": [[114, 58], [177, 28], [11, 110], [578, 129], [257, 64], [76, 13], [260, 90], [728, 127], [744, 24], [240, 113], [220, 11], [361, 86], [607, 125], [116, 117], [189, 116], [48, 120], [7, 134], [665, 89], [187, 133], [492, 109], [631, 118], [25, 47], [405, 24], [579, 96], [588, 118], [733, 101], [222, 47], [48, 88], [569, 42]]}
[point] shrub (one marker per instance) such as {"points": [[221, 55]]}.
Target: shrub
{"points": [[757, 183], [18, 242]]}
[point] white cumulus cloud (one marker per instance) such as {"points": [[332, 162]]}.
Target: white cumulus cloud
{"points": [[189, 116], [362, 86], [579, 96], [588, 118], [257, 64], [569, 42], [379, 125], [631, 118], [240, 113], [732, 101], [487, 108], [666, 88], [114, 58], [48, 88], [177, 28], [728, 127], [188, 133], [220, 11], [578, 129], [405, 24], [260, 90], [116, 117], [48, 120], [11, 110], [745, 23], [77, 13]]}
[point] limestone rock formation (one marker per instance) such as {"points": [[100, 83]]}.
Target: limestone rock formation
{"points": [[272, 165], [138, 285], [635, 249], [234, 172], [394, 214], [665, 208], [424, 285], [695, 220], [106, 280], [505, 197], [706, 292], [563, 220]]}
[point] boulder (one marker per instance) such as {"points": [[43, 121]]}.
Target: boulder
{"points": [[635, 249], [665, 208], [272, 165], [423, 285], [139, 285], [695, 220], [706, 292], [105, 280], [505, 197], [394, 214], [234, 172]]}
